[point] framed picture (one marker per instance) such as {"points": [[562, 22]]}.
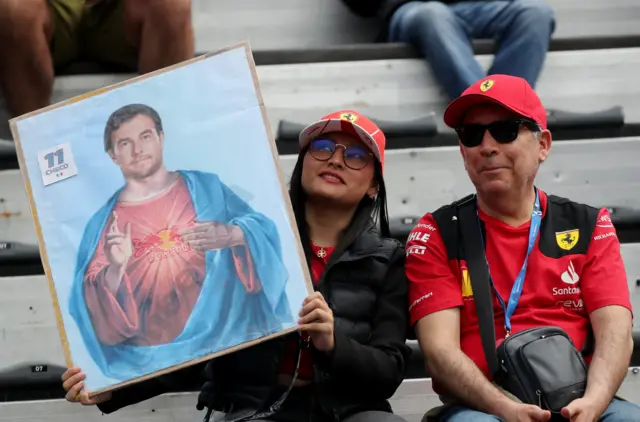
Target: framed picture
{"points": [[163, 220]]}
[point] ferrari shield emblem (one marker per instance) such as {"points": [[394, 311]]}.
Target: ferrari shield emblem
{"points": [[486, 85], [567, 239], [349, 117]]}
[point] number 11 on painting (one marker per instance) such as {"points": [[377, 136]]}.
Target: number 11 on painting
{"points": [[56, 164]]}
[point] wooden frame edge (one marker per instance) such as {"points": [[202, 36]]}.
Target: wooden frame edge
{"points": [[44, 256]]}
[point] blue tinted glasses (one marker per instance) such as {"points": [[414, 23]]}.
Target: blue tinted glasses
{"points": [[355, 157]]}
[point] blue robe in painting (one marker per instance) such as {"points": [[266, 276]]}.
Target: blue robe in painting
{"points": [[224, 315]]}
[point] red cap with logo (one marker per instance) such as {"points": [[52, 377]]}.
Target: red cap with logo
{"points": [[352, 123], [510, 92]]}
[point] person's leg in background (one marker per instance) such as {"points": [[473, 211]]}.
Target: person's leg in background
{"points": [[145, 35], [442, 38], [28, 32], [521, 28], [164, 32]]}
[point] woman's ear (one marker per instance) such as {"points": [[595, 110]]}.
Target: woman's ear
{"points": [[373, 190]]}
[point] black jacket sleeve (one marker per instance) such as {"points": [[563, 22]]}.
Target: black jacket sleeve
{"points": [[186, 379], [377, 369]]}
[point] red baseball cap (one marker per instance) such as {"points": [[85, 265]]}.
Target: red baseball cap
{"points": [[510, 92], [352, 123]]}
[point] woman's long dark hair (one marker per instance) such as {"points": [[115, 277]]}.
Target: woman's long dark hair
{"points": [[369, 210]]}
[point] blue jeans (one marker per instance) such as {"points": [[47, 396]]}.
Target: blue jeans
{"points": [[618, 411], [442, 33]]}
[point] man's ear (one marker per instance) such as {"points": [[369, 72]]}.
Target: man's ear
{"points": [[544, 142], [111, 155], [462, 154]]}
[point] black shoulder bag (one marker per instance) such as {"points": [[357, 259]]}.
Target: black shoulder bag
{"points": [[539, 366]]}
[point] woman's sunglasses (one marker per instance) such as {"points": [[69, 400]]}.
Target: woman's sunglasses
{"points": [[355, 157], [503, 131]]}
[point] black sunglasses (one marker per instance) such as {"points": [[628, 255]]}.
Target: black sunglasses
{"points": [[503, 131], [355, 157]]}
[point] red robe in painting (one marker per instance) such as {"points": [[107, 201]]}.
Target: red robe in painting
{"points": [[163, 277]]}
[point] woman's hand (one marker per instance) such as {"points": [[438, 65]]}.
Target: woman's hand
{"points": [[73, 383], [316, 318]]}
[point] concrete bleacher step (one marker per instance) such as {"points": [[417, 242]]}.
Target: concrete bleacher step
{"points": [[405, 89], [30, 336], [286, 31], [602, 172], [576, 81], [412, 133], [411, 400], [284, 24]]}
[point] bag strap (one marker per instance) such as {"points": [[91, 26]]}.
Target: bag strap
{"points": [[466, 214], [479, 274]]}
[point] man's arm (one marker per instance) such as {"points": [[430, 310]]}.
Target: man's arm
{"points": [[614, 346], [605, 293], [107, 293], [435, 297], [439, 338]]}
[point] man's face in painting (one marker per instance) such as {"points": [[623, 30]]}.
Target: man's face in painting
{"points": [[136, 147]]}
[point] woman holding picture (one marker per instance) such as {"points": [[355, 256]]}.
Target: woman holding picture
{"points": [[349, 355]]}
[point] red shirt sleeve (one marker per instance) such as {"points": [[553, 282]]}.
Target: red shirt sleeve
{"points": [[433, 286], [604, 279]]}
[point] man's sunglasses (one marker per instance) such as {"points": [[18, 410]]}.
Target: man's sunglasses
{"points": [[355, 157], [503, 131]]}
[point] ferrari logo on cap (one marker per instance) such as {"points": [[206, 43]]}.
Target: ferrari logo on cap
{"points": [[486, 85], [349, 117], [567, 239]]}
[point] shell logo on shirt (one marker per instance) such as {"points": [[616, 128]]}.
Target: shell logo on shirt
{"points": [[567, 239], [467, 290]]}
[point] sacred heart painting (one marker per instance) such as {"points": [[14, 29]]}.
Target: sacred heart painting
{"points": [[163, 220]]}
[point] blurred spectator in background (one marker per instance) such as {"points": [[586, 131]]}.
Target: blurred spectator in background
{"points": [[38, 36], [442, 32]]}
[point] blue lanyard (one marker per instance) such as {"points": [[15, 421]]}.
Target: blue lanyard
{"points": [[516, 291]]}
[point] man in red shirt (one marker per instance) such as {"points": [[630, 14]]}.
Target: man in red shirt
{"points": [[574, 278]]}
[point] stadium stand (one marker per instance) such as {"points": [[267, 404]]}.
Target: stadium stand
{"points": [[602, 172], [581, 169], [305, 31], [290, 32], [318, 24], [314, 57], [404, 89], [411, 400]]}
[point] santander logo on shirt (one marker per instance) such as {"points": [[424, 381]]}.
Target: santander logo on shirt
{"points": [[570, 276], [570, 292]]}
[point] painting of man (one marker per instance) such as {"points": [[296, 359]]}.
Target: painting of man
{"points": [[174, 264]]}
